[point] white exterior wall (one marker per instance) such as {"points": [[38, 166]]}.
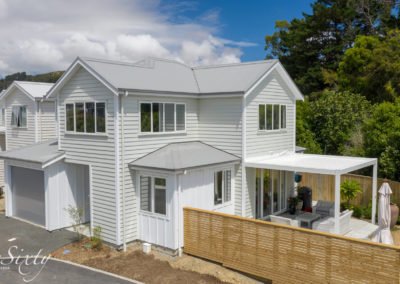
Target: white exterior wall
{"points": [[137, 145], [66, 185], [271, 91], [220, 125], [95, 150], [18, 136], [46, 121], [2, 148]]}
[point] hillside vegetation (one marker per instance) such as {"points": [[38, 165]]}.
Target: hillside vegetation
{"points": [[50, 77]]}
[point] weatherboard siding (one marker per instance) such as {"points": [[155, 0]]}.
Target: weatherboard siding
{"points": [[95, 150], [220, 125], [46, 120], [17, 136], [258, 143], [138, 145]]}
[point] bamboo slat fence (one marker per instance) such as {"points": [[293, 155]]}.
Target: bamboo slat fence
{"points": [[286, 254], [323, 187]]}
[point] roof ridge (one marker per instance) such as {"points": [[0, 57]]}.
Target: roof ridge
{"points": [[235, 64], [33, 82], [117, 62]]}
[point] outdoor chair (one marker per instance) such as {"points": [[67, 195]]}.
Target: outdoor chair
{"points": [[327, 224], [324, 208], [284, 221]]}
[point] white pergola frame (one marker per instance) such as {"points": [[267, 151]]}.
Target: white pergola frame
{"points": [[320, 164]]}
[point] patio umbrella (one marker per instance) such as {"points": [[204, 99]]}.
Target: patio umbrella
{"points": [[383, 234]]}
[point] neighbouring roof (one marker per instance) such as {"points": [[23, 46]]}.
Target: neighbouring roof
{"points": [[323, 164], [300, 149], [34, 90], [184, 156], [43, 153], [169, 76]]}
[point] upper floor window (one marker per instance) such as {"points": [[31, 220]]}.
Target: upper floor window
{"points": [[18, 116], [85, 117], [271, 116], [222, 187], [162, 117]]}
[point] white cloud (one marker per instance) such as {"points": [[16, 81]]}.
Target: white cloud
{"points": [[47, 35]]}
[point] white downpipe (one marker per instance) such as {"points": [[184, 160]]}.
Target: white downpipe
{"points": [[36, 122], [180, 214], [117, 165], [123, 173], [243, 156]]}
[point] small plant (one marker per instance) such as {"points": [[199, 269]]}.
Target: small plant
{"points": [[358, 211], [368, 211], [349, 191], [97, 239], [76, 214]]}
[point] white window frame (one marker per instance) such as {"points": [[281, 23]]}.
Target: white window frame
{"points": [[152, 192], [224, 202], [265, 117], [84, 118], [151, 132], [19, 109]]}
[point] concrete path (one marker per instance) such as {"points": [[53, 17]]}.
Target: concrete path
{"points": [[29, 238], [58, 272]]}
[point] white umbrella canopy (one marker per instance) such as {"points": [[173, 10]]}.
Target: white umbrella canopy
{"points": [[383, 235]]}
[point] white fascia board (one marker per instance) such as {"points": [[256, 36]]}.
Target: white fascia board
{"points": [[53, 161], [289, 81], [180, 95], [360, 166], [13, 86], [70, 71]]}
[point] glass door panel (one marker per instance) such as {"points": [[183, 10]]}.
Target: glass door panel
{"points": [[258, 194], [267, 193], [276, 190]]}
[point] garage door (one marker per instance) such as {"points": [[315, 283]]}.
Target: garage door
{"points": [[28, 195]]}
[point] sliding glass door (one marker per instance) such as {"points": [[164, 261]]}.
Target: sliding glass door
{"points": [[270, 192]]}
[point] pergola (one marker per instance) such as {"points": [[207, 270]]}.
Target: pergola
{"points": [[319, 164]]}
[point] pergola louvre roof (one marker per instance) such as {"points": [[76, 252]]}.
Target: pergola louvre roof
{"points": [[321, 164]]}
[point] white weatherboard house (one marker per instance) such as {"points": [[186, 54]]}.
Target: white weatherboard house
{"points": [[25, 117], [138, 142]]}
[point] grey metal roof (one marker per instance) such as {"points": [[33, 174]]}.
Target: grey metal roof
{"points": [[300, 149], [183, 156], [231, 77], [35, 90], [42, 152], [155, 74]]}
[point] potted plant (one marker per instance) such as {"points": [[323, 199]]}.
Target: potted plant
{"points": [[292, 204], [349, 190]]}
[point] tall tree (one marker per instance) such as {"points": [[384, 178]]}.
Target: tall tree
{"points": [[308, 46], [372, 67]]}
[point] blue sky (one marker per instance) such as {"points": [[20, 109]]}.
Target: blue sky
{"points": [[48, 35], [247, 21]]}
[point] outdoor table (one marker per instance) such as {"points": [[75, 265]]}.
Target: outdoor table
{"points": [[307, 219]]}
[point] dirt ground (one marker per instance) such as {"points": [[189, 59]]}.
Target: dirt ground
{"points": [[156, 267], [2, 204]]}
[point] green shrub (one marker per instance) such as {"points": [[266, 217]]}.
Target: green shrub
{"points": [[358, 211], [398, 221], [368, 211], [96, 239], [349, 190]]}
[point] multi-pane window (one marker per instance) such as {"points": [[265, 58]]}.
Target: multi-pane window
{"points": [[222, 187], [271, 117], [153, 195], [162, 117], [85, 117], [18, 116]]}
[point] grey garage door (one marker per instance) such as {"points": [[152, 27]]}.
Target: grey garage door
{"points": [[28, 195]]}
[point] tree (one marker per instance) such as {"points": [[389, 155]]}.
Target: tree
{"points": [[317, 42], [372, 67], [304, 135], [334, 117], [382, 138]]}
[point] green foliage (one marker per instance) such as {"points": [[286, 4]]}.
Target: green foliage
{"points": [[372, 67], [317, 42], [305, 137], [368, 211], [349, 190], [51, 77], [358, 211], [382, 138], [398, 221], [332, 120], [97, 239]]}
